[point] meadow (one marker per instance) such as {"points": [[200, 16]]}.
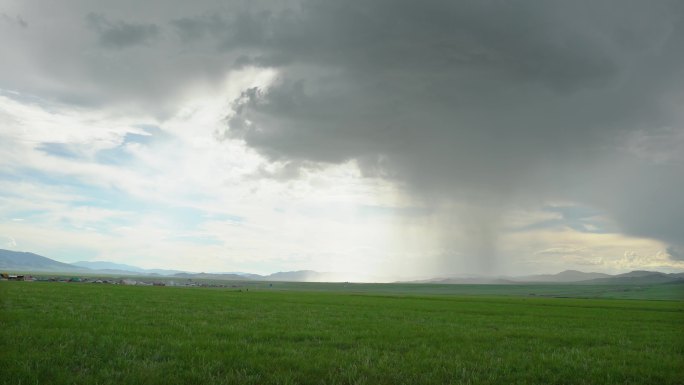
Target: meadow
{"points": [[65, 333]]}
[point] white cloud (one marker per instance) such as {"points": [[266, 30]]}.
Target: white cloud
{"points": [[315, 221], [553, 250], [10, 242]]}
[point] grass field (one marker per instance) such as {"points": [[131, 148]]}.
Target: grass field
{"points": [[58, 333], [668, 291]]}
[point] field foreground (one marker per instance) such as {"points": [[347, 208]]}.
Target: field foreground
{"points": [[56, 333]]}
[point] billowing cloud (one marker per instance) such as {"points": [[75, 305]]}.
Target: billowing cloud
{"points": [[492, 104], [121, 34], [128, 58], [13, 20]]}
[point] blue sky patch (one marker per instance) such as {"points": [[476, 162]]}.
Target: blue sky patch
{"points": [[60, 150]]}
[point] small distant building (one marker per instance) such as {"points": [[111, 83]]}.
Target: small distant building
{"points": [[12, 277]]}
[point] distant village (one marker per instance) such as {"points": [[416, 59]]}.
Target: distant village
{"points": [[113, 281]]}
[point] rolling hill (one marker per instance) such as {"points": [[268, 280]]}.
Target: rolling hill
{"points": [[120, 267], [23, 261], [30, 262]]}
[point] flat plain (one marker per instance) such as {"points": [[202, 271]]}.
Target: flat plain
{"points": [[69, 333]]}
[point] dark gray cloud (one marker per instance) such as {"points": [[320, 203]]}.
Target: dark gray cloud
{"points": [[13, 20], [121, 34], [675, 253], [241, 29], [370, 65], [95, 54], [483, 101]]}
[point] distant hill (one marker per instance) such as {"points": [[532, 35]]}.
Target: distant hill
{"points": [[120, 267], [216, 276], [639, 277], [16, 261], [23, 261], [563, 276], [283, 276], [28, 262], [301, 275], [242, 274], [103, 265], [567, 276]]}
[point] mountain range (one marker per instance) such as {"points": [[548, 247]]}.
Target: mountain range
{"points": [[638, 277], [120, 267], [30, 262], [23, 261]]}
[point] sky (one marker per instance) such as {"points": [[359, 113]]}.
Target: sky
{"points": [[378, 139]]}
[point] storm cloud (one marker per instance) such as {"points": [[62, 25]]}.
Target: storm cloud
{"points": [[121, 34], [494, 103]]}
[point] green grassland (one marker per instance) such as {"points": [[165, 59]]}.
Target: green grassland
{"points": [[666, 291], [60, 333]]}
